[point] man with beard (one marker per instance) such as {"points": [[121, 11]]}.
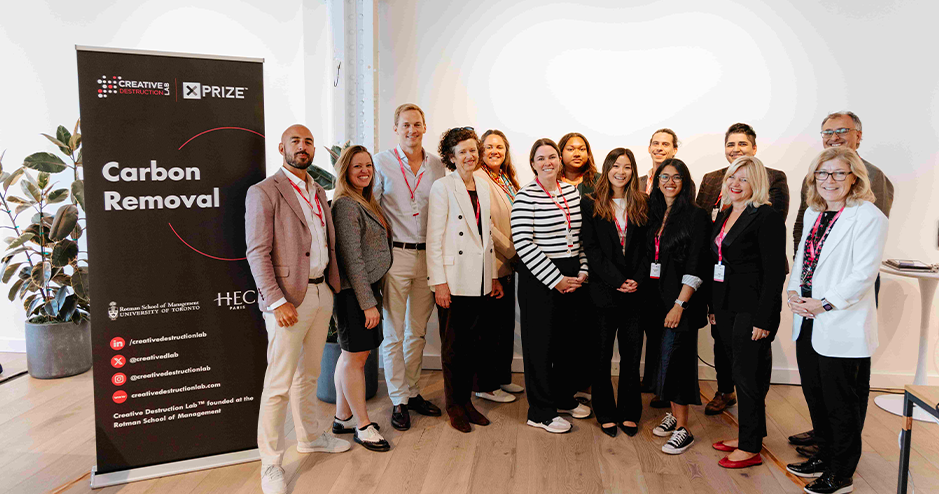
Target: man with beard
{"points": [[291, 252]]}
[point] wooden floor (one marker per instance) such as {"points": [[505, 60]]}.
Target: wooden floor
{"points": [[47, 445]]}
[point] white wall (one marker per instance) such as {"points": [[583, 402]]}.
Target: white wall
{"points": [[38, 41], [533, 69]]}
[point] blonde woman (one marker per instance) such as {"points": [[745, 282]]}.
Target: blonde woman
{"points": [[748, 245], [831, 295], [363, 239]]}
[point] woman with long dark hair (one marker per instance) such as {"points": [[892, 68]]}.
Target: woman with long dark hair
{"points": [[677, 243], [494, 375], [579, 168], [363, 245], [614, 236]]}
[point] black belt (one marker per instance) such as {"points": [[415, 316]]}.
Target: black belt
{"points": [[317, 281], [403, 245]]}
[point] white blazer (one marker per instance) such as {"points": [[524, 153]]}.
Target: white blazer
{"points": [[456, 254], [845, 274]]}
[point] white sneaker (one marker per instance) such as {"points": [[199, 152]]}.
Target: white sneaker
{"points": [[578, 412], [512, 388], [497, 395], [667, 426], [557, 425], [272, 480], [326, 443], [680, 441]]}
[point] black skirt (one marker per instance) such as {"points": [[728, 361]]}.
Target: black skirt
{"points": [[350, 321]]}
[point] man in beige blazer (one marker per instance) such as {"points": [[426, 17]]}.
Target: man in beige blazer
{"points": [[291, 251]]}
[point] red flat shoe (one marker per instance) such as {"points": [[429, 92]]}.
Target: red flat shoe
{"points": [[749, 462], [720, 446]]}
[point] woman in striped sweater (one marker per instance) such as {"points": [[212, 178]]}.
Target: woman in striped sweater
{"points": [[546, 233]]}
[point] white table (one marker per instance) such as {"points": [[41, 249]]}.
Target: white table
{"points": [[927, 289]]}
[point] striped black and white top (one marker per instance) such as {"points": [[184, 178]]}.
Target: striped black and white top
{"points": [[539, 230]]}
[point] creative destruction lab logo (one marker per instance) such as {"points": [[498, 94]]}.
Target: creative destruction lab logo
{"points": [[118, 85]]}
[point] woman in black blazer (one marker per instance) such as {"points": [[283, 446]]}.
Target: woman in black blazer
{"points": [[748, 246], [613, 231], [677, 245]]}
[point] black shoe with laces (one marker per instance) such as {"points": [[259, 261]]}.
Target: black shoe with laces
{"points": [[814, 467], [680, 441], [400, 418], [423, 407], [829, 483]]}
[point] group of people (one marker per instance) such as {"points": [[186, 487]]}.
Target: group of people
{"points": [[597, 255]]}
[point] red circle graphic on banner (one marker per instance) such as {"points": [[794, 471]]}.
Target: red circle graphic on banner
{"points": [[118, 361], [118, 379], [117, 343], [119, 397]]}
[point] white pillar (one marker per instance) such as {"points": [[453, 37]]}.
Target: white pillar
{"points": [[354, 72]]}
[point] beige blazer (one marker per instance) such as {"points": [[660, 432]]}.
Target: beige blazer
{"points": [[501, 225], [279, 240], [456, 253]]}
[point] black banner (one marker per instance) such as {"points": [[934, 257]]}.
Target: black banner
{"points": [[171, 145]]}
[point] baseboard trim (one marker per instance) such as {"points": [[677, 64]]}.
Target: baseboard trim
{"points": [[12, 345]]}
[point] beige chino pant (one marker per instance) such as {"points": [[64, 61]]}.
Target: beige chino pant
{"points": [[293, 365], [402, 350]]}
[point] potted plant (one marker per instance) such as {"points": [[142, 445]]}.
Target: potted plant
{"points": [[325, 384], [42, 258]]}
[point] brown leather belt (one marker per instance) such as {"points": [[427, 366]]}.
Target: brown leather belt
{"points": [[420, 246], [317, 281]]}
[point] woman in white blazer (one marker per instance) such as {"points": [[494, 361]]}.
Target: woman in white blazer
{"points": [[460, 269], [831, 295]]}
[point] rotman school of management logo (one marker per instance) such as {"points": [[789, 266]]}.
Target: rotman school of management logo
{"points": [[116, 84]]}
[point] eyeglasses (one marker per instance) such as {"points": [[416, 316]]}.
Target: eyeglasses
{"points": [[663, 178], [821, 176], [841, 131]]}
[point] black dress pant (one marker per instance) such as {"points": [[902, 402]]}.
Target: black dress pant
{"points": [[497, 340], [587, 341], [836, 391], [722, 363], [459, 337], [752, 365], [651, 325], [549, 326], [624, 322]]}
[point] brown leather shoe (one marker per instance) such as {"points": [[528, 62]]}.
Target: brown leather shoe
{"points": [[806, 438], [473, 415], [458, 418], [807, 451], [720, 403]]}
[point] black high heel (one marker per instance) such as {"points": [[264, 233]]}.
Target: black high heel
{"points": [[610, 431], [629, 430]]}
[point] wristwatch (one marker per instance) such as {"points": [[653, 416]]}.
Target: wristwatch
{"points": [[683, 305], [827, 305]]}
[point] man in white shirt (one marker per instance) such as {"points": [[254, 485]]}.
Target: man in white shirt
{"points": [[403, 177], [291, 252]]}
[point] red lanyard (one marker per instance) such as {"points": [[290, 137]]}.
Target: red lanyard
{"points": [[814, 242], [566, 209], [621, 230], [720, 241], [718, 201], [478, 207], [319, 209], [657, 248], [403, 174]]}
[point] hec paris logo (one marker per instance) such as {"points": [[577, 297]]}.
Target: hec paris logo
{"points": [[112, 311], [192, 90]]}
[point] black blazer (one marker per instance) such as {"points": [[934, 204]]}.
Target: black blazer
{"points": [[710, 190], [696, 262], [754, 253], [608, 266]]}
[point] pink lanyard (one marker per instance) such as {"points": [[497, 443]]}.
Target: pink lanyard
{"points": [[622, 230], [567, 211], [657, 248], [403, 174], [814, 242], [319, 209], [720, 241]]}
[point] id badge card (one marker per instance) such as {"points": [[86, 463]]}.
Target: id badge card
{"points": [[415, 209], [714, 212], [719, 272], [655, 271], [570, 241]]}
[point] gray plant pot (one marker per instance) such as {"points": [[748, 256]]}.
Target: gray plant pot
{"points": [[326, 384], [58, 350]]}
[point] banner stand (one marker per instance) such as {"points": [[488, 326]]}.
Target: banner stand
{"points": [[175, 468]]}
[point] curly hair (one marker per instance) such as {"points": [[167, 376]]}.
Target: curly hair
{"points": [[450, 139]]}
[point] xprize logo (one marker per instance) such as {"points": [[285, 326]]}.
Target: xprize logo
{"points": [[198, 90], [118, 85], [237, 300]]}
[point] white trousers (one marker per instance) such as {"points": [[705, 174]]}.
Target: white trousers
{"points": [[402, 350], [293, 365]]}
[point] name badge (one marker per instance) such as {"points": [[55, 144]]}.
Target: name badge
{"points": [[415, 209], [719, 272], [714, 212], [655, 271]]}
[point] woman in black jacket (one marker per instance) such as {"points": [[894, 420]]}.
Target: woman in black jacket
{"points": [[677, 241], [748, 247], [614, 237]]}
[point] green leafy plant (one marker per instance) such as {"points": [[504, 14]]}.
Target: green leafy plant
{"points": [[42, 259]]}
